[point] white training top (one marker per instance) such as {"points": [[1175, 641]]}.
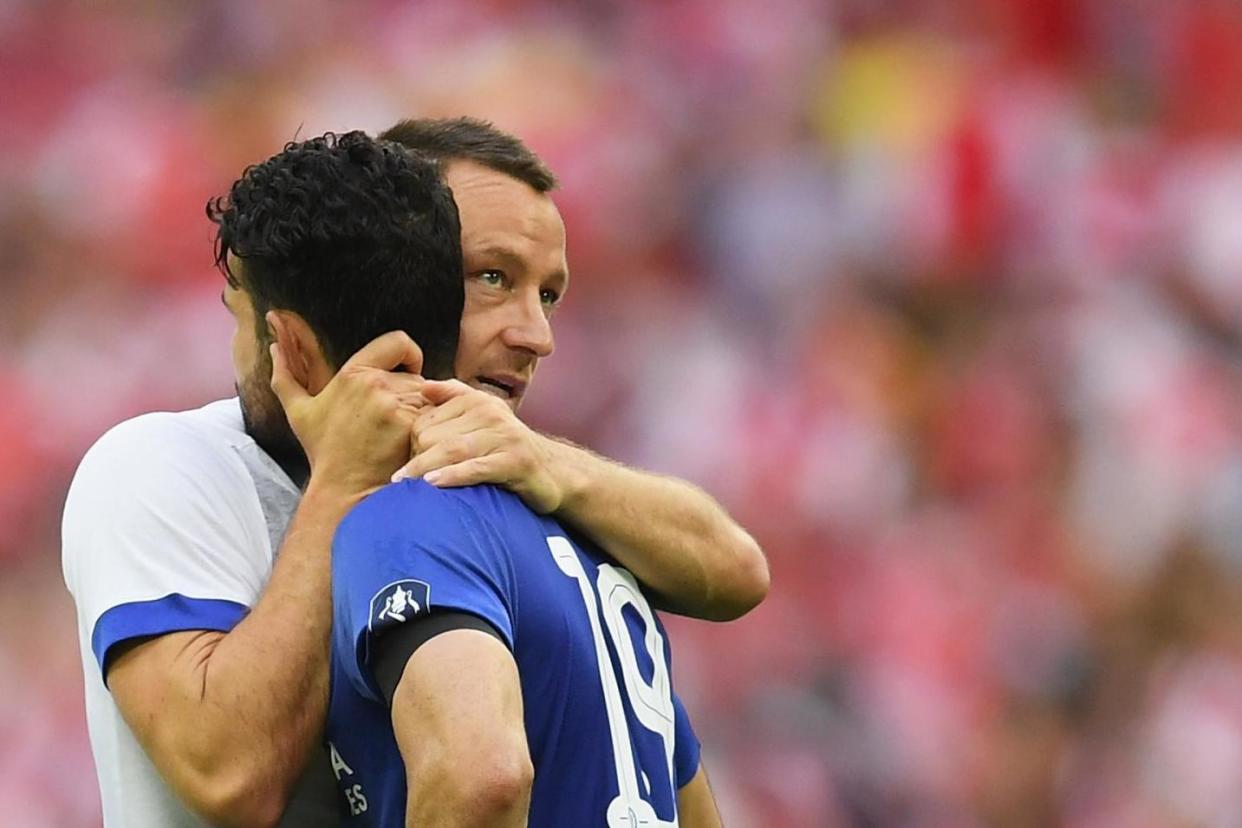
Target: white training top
{"points": [[172, 523]]}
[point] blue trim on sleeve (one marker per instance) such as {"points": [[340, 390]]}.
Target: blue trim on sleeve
{"points": [[686, 750], [172, 613]]}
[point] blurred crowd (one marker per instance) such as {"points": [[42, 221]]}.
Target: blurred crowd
{"points": [[942, 298]]}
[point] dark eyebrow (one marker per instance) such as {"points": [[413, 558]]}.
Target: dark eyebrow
{"points": [[505, 255]]}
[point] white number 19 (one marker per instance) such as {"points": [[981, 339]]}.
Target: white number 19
{"points": [[653, 702]]}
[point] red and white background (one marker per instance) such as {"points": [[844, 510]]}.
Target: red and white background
{"points": [[942, 299]]}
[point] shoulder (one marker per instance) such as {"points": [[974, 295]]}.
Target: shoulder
{"points": [[414, 511], [414, 520], [418, 506], [163, 503], [212, 426], [159, 467], [411, 543], [203, 437]]}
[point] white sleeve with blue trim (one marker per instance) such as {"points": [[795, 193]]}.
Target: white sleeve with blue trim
{"points": [[406, 550], [162, 532]]}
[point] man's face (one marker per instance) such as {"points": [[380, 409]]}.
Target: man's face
{"points": [[252, 372], [513, 246]]}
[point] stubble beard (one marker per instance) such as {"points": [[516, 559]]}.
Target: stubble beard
{"points": [[267, 425]]}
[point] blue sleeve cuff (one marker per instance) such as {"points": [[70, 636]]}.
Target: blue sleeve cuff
{"points": [[172, 613], [686, 750]]}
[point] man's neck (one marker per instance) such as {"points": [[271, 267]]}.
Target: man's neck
{"points": [[292, 461]]}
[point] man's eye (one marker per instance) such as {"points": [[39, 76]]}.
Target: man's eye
{"points": [[492, 277], [549, 296]]}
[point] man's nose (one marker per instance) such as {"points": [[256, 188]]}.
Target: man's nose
{"points": [[529, 328]]}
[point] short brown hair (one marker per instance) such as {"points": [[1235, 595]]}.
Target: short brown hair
{"points": [[471, 139]]}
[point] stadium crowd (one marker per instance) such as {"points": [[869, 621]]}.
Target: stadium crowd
{"points": [[942, 299]]}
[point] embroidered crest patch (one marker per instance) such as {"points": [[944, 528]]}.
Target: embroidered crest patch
{"points": [[399, 602]]}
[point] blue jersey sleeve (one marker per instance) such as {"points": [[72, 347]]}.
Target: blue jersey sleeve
{"points": [[686, 748], [405, 551]]}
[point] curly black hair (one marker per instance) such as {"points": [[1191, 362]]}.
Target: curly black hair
{"points": [[356, 235]]}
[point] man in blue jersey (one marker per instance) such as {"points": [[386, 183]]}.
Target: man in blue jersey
{"points": [[506, 638], [490, 668]]}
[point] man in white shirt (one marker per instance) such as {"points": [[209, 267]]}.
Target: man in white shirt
{"points": [[196, 544]]}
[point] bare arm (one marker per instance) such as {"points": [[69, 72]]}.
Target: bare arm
{"points": [[229, 718], [457, 716], [696, 807], [672, 535]]}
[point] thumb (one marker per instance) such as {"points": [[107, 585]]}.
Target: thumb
{"points": [[438, 392], [286, 386], [387, 352]]}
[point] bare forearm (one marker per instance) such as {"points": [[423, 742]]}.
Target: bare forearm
{"points": [[672, 535], [229, 718], [268, 678], [696, 805], [254, 700]]}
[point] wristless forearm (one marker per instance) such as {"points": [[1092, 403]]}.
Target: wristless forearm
{"points": [[672, 535], [647, 522], [264, 684]]}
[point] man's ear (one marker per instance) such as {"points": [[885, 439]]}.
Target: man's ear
{"points": [[303, 353]]}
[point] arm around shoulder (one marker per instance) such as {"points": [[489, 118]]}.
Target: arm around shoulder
{"points": [[672, 535], [677, 539]]}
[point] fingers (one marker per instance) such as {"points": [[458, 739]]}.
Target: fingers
{"points": [[425, 462], [467, 424], [411, 397], [466, 473], [441, 391], [391, 350], [428, 432], [413, 469], [285, 385], [462, 401], [449, 446], [436, 415]]}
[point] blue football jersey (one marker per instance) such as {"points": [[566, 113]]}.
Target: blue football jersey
{"points": [[609, 740]]}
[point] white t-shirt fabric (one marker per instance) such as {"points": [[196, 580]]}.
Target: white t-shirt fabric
{"points": [[172, 523]]}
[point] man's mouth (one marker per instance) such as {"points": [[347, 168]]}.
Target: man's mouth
{"points": [[507, 388], [495, 387]]}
